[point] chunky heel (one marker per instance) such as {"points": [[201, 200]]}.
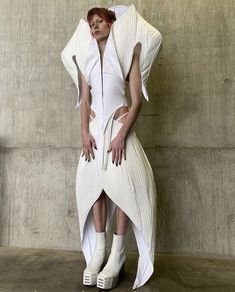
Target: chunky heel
{"points": [[122, 272], [104, 282]]}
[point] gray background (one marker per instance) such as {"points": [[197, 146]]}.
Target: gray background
{"points": [[187, 127]]}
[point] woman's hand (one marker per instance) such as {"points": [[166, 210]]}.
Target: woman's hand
{"points": [[88, 142], [118, 148]]}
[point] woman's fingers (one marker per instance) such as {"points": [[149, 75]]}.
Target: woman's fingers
{"points": [[120, 156], [88, 150], [124, 153], [91, 152], [93, 143], [86, 155], [117, 155], [113, 154]]}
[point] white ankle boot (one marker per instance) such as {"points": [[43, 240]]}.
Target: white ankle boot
{"points": [[97, 262], [108, 277]]}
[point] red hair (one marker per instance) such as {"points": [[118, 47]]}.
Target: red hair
{"points": [[104, 13]]}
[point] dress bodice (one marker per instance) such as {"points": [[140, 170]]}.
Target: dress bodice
{"points": [[107, 82], [107, 91]]}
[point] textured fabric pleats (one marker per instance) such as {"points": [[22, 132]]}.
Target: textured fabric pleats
{"points": [[130, 186]]}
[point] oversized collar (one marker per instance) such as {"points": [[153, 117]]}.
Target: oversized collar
{"points": [[128, 29], [123, 32]]}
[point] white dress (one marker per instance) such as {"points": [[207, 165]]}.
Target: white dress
{"points": [[131, 185]]}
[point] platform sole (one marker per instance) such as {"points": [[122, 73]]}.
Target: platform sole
{"points": [[89, 278], [104, 282]]}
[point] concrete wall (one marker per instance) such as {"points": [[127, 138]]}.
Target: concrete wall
{"points": [[187, 127]]}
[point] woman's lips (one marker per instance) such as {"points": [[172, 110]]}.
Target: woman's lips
{"points": [[97, 32]]}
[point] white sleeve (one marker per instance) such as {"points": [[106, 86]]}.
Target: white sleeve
{"points": [[151, 40], [129, 29], [76, 49]]}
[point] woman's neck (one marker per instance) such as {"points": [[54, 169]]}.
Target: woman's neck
{"points": [[102, 44]]}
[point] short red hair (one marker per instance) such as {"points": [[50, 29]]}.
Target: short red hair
{"points": [[104, 13]]}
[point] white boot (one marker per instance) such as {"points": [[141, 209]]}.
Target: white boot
{"points": [[108, 277], [97, 262]]}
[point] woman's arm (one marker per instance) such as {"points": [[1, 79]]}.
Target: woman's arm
{"points": [[87, 139], [136, 93], [85, 105], [118, 143]]}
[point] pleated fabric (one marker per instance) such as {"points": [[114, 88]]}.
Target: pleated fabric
{"points": [[130, 186]]}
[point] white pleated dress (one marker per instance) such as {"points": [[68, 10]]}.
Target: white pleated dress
{"points": [[131, 185]]}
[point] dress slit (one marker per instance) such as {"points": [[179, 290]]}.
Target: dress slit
{"points": [[145, 261]]}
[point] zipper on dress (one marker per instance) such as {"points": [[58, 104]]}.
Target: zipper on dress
{"points": [[101, 69]]}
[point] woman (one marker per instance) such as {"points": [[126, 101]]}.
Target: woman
{"points": [[113, 170]]}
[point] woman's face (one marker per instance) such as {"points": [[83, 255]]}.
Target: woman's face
{"points": [[99, 27]]}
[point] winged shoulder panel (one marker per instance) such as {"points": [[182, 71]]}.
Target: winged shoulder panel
{"points": [[128, 29]]}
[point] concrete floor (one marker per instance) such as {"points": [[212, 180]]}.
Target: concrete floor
{"points": [[36, 270]]}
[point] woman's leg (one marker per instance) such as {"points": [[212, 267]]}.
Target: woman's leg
{"points": [[108, 277], [97, 261], [100, 216], [99, 211], [121, 222]]}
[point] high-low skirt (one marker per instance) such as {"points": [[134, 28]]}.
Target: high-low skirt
{"points": [[130, 186]]}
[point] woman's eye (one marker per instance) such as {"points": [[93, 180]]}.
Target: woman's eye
{"points": [[97, 21]]}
